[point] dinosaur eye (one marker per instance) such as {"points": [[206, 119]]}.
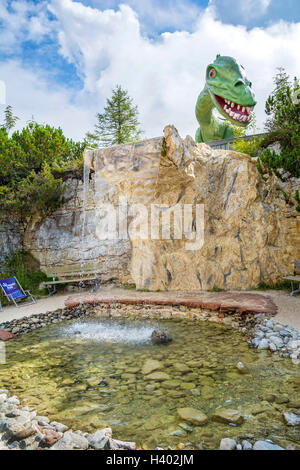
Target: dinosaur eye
{"points": [[212, 73]]}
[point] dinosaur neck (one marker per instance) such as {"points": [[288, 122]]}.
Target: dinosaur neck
{"points": [[211, 128]]}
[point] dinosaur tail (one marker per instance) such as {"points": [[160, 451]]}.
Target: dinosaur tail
{"points": [[198, 138]]}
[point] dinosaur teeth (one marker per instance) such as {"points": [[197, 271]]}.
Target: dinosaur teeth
{"points": [[232, 105], [238, 107]]}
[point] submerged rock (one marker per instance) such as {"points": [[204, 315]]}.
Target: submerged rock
{"points": [[192, 415], [160, 337], [292, 419], [150, 366], [242, 368], [228, 416], [182, 368], [158, 376]]}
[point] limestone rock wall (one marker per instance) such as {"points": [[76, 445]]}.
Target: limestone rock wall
{"points": [[70, 236], [10, 239], [251, 233]]}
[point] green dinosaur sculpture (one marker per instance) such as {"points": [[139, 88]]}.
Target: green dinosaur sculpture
{"points": [[228, 90]]}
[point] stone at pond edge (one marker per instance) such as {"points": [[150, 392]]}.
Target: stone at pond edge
{"points": [[227, 444], [19, 430], [50, 437], [228, 416], [99, 440], [192, 415], [71, 441], [266, 445], [6, 335], [115, 444]]}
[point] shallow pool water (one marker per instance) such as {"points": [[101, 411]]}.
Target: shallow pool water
{"points": [[88, 374]]}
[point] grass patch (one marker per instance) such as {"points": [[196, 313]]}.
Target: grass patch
{"points": [[282, 285], [25, 268], [129, 286], [216, 289]]}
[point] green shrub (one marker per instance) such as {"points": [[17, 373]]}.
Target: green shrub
{"points": [[273, 286], [33, 165], [25, 268], [283, 125]]}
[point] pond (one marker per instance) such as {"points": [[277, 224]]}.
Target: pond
{"points": [[94, 373]]}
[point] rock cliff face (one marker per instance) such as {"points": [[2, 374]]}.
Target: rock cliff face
{"points": [[10, 239], [251, 233]]}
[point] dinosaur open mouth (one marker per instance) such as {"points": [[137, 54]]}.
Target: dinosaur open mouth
{"points": [[235, 111]]}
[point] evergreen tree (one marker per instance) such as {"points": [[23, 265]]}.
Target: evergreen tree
{"points": [[9, 119], [118, 124], [281, 106], [283, 125], [33, 165]]}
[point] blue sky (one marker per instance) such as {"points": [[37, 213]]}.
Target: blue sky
{"points": [[60, 58]]}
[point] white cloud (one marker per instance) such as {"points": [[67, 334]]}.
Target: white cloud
{"points": [[22, 20], [164, 77], [31, 96]]}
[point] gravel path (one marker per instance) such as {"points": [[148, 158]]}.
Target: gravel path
{"points": [[288, 307], [42, 306]]}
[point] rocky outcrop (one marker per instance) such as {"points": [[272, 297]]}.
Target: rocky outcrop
{"points": [[250, 232], [10, 239]]}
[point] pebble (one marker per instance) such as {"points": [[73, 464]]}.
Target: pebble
{"points": [[266, 445], [227, 444], [280, 339], [228, 416], [292, 419], [246, 445]]}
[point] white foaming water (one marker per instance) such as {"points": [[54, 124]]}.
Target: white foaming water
{"points": [[109, 333]]}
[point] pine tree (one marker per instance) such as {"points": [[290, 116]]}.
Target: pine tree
{"points": [[281, 107], [118, 124], [9, 119], [283, 124]]}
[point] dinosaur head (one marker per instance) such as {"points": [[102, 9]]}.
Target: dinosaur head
{"points": [[230, 90]]}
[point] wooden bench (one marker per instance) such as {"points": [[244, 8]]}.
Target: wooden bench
{"points": [[72, 274], [295, 278]]}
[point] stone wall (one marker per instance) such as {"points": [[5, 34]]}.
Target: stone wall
{"points": [[70, 236], [10, 239], [251, 233]]}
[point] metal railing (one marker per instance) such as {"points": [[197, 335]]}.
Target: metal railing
{"points": [[226, 144]]}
